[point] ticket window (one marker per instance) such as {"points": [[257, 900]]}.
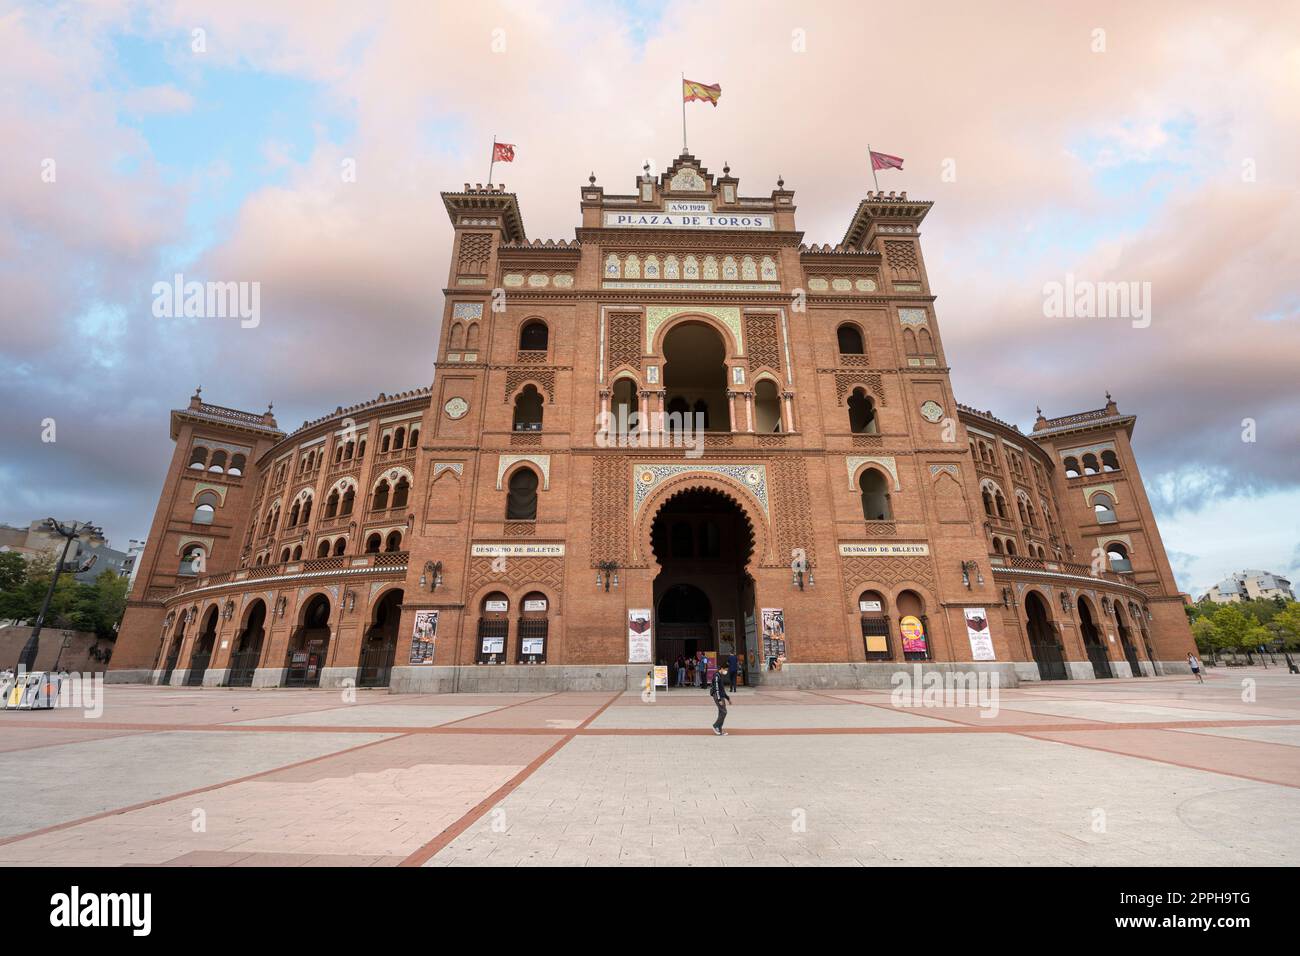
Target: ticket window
{"points": [[493, 630], [914, 627], [534, 623], [875, 626]]}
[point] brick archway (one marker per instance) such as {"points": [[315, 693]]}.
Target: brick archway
{"points": [[700, 481]]}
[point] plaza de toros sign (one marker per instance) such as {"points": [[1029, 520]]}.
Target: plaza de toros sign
{"points": [[688, 215]]}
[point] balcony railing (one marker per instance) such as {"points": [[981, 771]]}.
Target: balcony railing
{"points": [[347, 562], [1019, 563]]}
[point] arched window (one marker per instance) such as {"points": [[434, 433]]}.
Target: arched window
{"points": [[1117, 554], [191, 560], [399, 438], [1090, 466], [997, 545], [293, 515], [875, 496], [361, 449], [394, 542], [528, 410], [1109, 461], [306, 511], [199, 458], [862, 413], [458, 336], [385, 443], [625, 405], [1072, 468], [284, 555], [521, 501], [400, 492], [236, 465], [297, 553], [849, 338], [349, 498], [767, 407], [373, 542], [380, 502], [332, 503], [1024, 517], [218, 463], [534, 337], [324, 550], [1103, 505], [988, 502], [206, 508], [1000, 504], [413, 439], [338, 453], [1011, 548], [875, 625], [340, 546]]}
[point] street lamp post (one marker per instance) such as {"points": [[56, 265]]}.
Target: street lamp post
{"points": [[27, 659]]}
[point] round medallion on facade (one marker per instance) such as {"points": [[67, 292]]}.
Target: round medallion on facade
{"points": [[456, 408], [931, 411], [753, 477], [647, 477]]}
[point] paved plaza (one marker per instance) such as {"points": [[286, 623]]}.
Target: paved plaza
{"points": [[1121, 772]]}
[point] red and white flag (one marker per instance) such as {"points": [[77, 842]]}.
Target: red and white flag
{"points": [[503, 152], [885, 161]]}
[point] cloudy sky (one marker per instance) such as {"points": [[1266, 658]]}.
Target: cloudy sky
{"points": [[1151, 143]]}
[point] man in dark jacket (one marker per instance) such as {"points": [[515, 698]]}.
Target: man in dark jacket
{"points": [[718, 691]]}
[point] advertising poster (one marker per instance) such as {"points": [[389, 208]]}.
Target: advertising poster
{"points": [[913, 635], [639, 638], [661, 676], [773, 621], [981, 639], [424, 636], [726, 636]]}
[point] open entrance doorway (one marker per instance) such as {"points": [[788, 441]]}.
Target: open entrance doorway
{"points": [[247, 653], [703, 542], [201, 655], [307, 646]]}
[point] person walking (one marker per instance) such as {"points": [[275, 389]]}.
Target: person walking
{"points": [[681, 671], [1195, 665], [731, 671], [718, 691], [702, 670]]}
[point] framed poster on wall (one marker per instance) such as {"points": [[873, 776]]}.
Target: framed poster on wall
{"points": [[424, 636], [640, 640]]}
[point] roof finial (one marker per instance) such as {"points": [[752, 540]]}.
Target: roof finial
{"points": [[1108, 395], [592, 178], [726, 168], [780, 182]]}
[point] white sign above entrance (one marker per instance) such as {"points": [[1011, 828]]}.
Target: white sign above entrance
{"points": [[875, 550], [704, 218], [517, 550]]}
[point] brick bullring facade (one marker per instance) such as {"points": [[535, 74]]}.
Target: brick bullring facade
{"points": [[683, 430]]}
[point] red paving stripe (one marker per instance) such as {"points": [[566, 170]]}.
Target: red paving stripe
{"points": [[1201, 768], [186, 793], [434, 846]]}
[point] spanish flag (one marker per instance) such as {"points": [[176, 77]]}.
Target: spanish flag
{"points": [[700, 91]]}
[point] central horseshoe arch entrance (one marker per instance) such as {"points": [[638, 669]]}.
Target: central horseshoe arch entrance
{"points": [[703, 542]]}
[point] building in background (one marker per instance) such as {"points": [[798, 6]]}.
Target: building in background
{"points": [[1249, 585], [526, 523], [36, 539]]}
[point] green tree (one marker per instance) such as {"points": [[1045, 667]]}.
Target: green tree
{"points": [[1286, 624], [1238, 630], [13, 571]]}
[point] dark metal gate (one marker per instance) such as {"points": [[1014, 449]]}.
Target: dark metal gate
{"points": [[172, 658], [242, 666], [198, 667], [375, 666], [877, 627], [532, 640], [1100, 662], [303, 665], [1050, 661], [492, 636]]}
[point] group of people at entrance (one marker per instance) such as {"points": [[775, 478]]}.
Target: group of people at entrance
{"points": [[697, 670]]}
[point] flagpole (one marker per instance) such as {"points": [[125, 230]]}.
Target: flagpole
{"points": [[872, 160], [494, 158], [683, 93]]}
